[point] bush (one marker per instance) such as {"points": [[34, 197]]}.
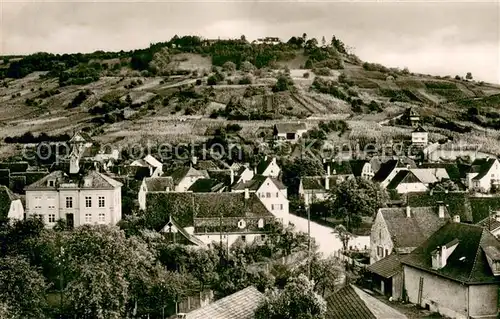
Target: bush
{"points": [[306, 75], [328, 87], [198, 82], [322, 71], [79, 98], [284, 83], [212, 80], [246, 66], [245, 80], [229, 66]]}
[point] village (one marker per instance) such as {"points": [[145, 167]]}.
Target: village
{"points": [[427, 244]]}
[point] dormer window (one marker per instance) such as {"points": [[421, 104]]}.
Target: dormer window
{"points": [[51, 183]]}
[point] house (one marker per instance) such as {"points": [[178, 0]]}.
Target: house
{"points": [[315, 188], [397, 231], [340, 169], [84, 198], [390, 168], [11, 206], [155, 166], [419, 137], [484, 174], [289, 131], [405, 181], [207, 185], [271, 192], [268, 166], [430, 175], [154, 184], [268, 40], [492, 223], [362, 168], [411, 117], [455, 272], [352, 302], [185, 177], [451, 151], [240, 305], [221, 217]]}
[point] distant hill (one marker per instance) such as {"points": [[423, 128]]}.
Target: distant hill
{"points": [[124, 96]]}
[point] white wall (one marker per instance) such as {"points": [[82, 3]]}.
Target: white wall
{"points": [[274, 200], [404, 188]]}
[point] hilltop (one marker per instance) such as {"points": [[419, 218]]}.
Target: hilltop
{"points": [[178, 90]]}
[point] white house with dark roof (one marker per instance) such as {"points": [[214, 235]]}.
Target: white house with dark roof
{"points": [[271, 192], [455, 272], [405, 182], [154, 184], [483, 174], [11, 206], [268, 166], [154, 165], [84, 198], [420, 137], [291, 132], [185, 177]]}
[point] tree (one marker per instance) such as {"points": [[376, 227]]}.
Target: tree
{"points": [[22, 288], [229, 66], [468, 76], [325, 273], [284, 83], [297, 300], [357, 197], [294, 170], [246, 66], [323, 41], [344, 235], [243, 38]]}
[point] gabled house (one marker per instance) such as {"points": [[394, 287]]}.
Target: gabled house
{"points": [[396, 232], [240, 305], [483, 175], [455, 272], [430, 175], [420, 137], [271, 192], [155, 166], [289, 131], [390, 168], [352, 302], [88, 197], [154, 184], [184, 177], [243, 174], [313, 189], [11, 206], [411, 117], [405, 181], [268, 166], [362, 168], [207, 185]]}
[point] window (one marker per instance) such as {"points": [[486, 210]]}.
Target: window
{"points": [[261, 223], [268, 195], [51, 183], [51, 202], [102, 217], [277, 194], [262, 237], [386, 252], [88, 218], [38, 202], [244, 238], [101, 201], [272, 206], [69, 202], [52, 218], [281, 206], [88, 201], [379, 235], [380, 251]]}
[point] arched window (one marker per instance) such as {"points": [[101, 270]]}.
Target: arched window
{"points": [[261, 223]]}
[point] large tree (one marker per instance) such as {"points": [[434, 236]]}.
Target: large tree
{"points": [[325, 273], [297, 300], [354, 198]]}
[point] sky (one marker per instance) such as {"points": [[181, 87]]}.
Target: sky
{"points": [[431, 37]]}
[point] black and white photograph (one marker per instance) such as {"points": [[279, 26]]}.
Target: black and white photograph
{"points": [[249, 159]]}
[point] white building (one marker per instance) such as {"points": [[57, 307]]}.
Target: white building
{"points": [[11, 206], [268, 166], [483, 175], [420, 137], [291, 132], [155, 166], [185, 177], [89, 198], [154, 184]]}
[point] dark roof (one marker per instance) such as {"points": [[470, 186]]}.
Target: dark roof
{"points": [[317, 182], [419, 129], [387, 267], [352, 302], [185, 171], [480, 207], [206, 185], [455, 171], [263, 164], [467, 263], [457, 203], [159, 184], [411, 232], [191, 238], [403, 176], [185, 207], [482, 167], [339, 168], [357, 166], [240, 305], [15, 167], [86, 137], [385, 170], [290, 127], [256, 182], [98, 181], [207, 165]]}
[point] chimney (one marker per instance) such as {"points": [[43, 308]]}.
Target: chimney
{"points": [[327, 182], [194, 160], [87, 181], [232, 176], [327, 170], [441, 206], [247, 193], [255, 170], [265, 158], [324, 160], [408, 211], [456, 219]]}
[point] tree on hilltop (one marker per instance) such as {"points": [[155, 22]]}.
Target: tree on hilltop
{"points": [[468, 76]]}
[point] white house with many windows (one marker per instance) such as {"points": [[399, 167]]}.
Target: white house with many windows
{"points": [[89, 198]]}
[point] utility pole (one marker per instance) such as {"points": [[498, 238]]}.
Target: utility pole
{"points": [[489, 218], [61, 260], [309, 236]]}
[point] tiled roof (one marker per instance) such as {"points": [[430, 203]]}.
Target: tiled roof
{"points": [[385, 170], [207, 165], [339, 168], [352, 302], [206, 185], [430, 175], [98, 181], [411, 232], [490, 223], [419, 129], [191, 238], [290, 127], [387, 267], [185, 171], [457, 203], [240, 305], [455, 171], [467, 263], [152, 161], [357, 166], [159, 184], [256, 182], [403, 176], [317, 182]]}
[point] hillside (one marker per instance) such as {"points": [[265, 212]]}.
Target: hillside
{"points": [[175, 91]]}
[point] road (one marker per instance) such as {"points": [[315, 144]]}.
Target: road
{"points": [[325, 238]]}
